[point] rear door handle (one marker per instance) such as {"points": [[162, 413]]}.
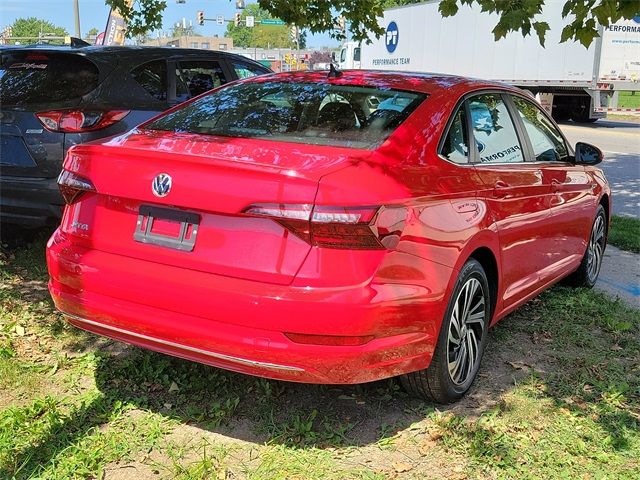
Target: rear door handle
{"points": [[501, 189]]}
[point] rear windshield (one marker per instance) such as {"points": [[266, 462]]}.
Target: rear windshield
{"points": [[317, 114], [32, 77]]}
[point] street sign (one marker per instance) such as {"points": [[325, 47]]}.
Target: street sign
{"points": [[220, 20], [271, 22], [250, 21]]}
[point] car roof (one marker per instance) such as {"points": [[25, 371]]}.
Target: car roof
{"points": [[134, 52], [430, 83]]}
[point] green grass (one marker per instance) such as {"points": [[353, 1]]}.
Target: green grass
{"points": [[625, 233], [283, 463], [629, 100], [73, 405], [54, 438], [581, 417]]}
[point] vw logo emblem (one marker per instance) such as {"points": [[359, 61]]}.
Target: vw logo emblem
{"points": [[161, 185]]}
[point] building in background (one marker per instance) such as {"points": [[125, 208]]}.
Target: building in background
{"points": [[195, 41], [277, 59]]}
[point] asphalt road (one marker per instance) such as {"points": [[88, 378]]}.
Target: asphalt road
{"points": [[620, 142]]}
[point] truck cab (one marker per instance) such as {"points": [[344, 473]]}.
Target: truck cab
{"points": [[349, 56]]}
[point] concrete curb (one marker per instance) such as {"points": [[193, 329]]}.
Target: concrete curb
{"points": [[620, 275]]}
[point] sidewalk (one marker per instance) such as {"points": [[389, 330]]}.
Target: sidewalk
{"points": [[620, 275]]}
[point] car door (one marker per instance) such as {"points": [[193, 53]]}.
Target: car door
{"points": [[572, 200], [515, 193]]}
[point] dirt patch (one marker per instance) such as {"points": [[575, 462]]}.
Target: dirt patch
{"points": [[504, 365], [130, 471]]}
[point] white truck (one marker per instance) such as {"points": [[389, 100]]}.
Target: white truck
{"points": [[569, 80]]}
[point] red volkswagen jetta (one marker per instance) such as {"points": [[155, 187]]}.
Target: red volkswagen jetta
{"points": [[336, 228]]}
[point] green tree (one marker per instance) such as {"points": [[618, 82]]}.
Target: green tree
{"points": [[91, 35], [179, 31], [303, 39], [270, 36], [519, 15], [261, 36], [362, 15], [33, 29]]}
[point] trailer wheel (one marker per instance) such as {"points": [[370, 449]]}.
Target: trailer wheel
{"points": [[561, 114], [581, 112]]}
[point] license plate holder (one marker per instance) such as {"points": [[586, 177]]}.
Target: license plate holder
{"points": [[184, 241]]}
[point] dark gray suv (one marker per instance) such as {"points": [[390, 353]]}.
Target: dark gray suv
{"points": [[52, 98]]}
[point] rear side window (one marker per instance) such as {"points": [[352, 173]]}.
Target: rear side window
{"points": [[152, 76], [456, 145], [244, 70], [317, 114], [32, 77], [494, 132]]}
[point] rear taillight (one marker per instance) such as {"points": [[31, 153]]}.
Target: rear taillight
{"points": [[79, 121], [72, 186], [321, 226]]}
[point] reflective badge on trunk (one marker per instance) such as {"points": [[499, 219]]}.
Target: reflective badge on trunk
{"points": [[161, 185]]}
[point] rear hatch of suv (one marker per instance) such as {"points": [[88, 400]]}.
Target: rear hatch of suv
{"points": [[34, 82]]}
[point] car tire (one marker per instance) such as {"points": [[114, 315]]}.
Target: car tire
{"points": [[582, 111], [587, 273], [587, 120], [561, 114], [449, 376]]}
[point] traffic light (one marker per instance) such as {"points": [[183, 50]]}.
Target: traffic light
{"points": [[200, 17], [239, 4], [236, 19]]}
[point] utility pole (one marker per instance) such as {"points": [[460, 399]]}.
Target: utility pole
{"points": [[76, 13], [295, 36]]}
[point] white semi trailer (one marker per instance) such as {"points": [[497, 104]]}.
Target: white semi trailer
{"points": [[569, 80]]}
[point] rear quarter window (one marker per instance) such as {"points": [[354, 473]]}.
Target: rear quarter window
{"points": [[152, 76], [34, 78], [244, 70]]}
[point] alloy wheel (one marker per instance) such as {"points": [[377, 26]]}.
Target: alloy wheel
{"points": [[465, 331], [595, 249]]}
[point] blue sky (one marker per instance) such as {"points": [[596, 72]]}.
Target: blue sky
{"points": [[93, 13]]}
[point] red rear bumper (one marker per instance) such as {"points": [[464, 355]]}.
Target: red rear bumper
{"points": [[238, 324]]}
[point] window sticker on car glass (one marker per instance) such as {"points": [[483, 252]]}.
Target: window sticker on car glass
{"points": [[481, 117], [29, 66]]}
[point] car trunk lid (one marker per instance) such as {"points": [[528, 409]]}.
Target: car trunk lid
{"points": [[213, 180]]}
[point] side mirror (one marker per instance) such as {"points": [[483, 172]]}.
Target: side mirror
{"points": [[587, 154]]}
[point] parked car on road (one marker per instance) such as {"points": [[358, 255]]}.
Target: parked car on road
{"points": [[55, 97], [330, 228]]}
